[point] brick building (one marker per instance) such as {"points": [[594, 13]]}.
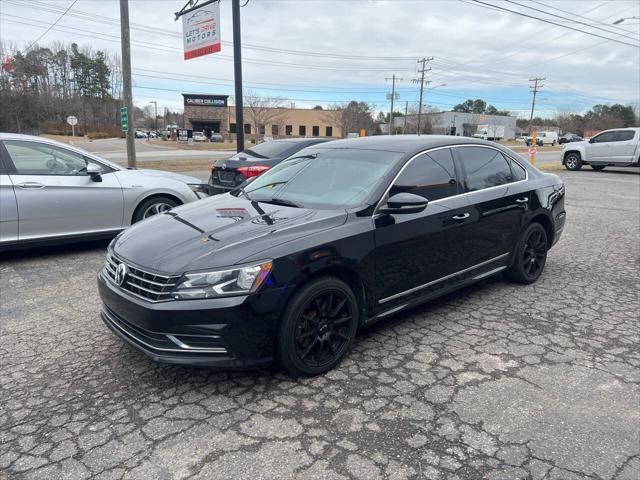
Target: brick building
{"points": [[213, 114]]}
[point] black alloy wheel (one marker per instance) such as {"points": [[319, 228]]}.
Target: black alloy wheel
{"points": [[530, 256], [318, 327]]}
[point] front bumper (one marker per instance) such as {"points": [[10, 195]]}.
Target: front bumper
{"points": [[231, 332]]}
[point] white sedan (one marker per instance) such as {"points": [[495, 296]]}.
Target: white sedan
{"points": [[50, 191]]}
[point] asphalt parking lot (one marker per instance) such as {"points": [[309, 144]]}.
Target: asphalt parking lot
{"points": [[496, 381]]}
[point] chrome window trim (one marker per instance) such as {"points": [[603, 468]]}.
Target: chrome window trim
{"points": [[386, 192], [442, 279]]}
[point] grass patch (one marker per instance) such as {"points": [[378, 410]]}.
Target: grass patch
{"points": [[174, 165]]}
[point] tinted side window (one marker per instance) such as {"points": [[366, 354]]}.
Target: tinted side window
{"points": [[604, 137], [518, 172], [484, 167], [624, 135], [431, 175]]}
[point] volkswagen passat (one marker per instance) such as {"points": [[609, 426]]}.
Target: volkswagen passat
{"points": [[341, 235], [52, 192]]}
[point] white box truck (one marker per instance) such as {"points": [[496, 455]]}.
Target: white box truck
{"points": [[490, 132]]}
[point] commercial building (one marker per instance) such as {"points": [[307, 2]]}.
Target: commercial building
{"points": [[213, 114]]}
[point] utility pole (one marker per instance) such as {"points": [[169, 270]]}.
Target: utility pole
{"points": [[421, 81], [535, 88], [393, 96], [126, 81], [237, 74], [155, 104], [406, 109]]}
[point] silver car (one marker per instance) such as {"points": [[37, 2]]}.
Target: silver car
{"points": [[52, 191]]}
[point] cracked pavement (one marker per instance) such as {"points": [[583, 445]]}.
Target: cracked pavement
{"points": [[496, 381]]}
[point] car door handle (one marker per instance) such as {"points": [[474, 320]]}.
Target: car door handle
{"points": [[30, 185], [522, 200], [461, 217]]}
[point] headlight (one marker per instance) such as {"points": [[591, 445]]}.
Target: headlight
{"points": [[221, 283]]}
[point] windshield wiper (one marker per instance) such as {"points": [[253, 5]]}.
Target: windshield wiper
{"points": [[282, 201]]}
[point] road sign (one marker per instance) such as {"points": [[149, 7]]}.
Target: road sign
{"points": [[124, 119], [533, 151], [71, 120]]}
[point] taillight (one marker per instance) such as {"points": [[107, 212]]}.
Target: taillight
{"points": [[253, 171]]}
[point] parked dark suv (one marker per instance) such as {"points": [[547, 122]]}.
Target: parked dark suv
{"points": [[340, 235], [227, 174]]}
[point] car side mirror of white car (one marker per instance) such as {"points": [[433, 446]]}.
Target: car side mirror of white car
{"points": [[94, 171]]}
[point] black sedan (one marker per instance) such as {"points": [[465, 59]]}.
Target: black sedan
{"points": [[341, 235], [230, 172], [569, 137]]}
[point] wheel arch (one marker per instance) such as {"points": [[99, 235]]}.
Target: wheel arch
{"points": [[341, 272], [545, 220], [565, 154], [173, 197]]}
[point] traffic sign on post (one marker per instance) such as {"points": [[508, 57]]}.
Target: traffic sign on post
{"points": [[124, 119], [73, 121]]}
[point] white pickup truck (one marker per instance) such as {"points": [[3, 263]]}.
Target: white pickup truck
{"points": [[618, 147]]}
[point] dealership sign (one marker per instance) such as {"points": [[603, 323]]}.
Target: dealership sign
{"points": [[201, 30]]}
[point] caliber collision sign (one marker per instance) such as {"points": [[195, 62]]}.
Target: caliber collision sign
{"points": [[201, 31]]}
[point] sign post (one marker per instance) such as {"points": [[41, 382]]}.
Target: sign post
{"points": [[73, 121], [533, 150], [124, 119]]}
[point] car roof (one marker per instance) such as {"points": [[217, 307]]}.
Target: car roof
{"points": [[404, 143], [302, 141]]}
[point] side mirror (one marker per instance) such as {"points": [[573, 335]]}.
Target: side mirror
{"points": [[405, 203], [591, 140], [94, 171]]}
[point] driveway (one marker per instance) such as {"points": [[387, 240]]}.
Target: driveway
{"points": [[496, 381]]}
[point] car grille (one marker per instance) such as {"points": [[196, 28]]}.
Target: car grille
{"points": [[149, 286]]}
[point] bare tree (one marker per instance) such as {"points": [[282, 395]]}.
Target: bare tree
{"points": [[263, 111]]}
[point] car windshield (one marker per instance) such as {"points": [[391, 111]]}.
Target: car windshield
{"points": [[268, 149], [323, 178]]}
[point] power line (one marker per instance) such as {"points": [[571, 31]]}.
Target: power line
{"points": [[571, 19], [515, 12], [51, 26]]}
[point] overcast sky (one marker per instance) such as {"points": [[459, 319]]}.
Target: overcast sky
{"points": [[343, 50]]}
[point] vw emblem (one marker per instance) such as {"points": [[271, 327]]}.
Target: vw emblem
{"points": [[224, 166], [121, 273]]}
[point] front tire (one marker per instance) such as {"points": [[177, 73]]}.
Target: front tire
{"points": [[318, 327], [530, 255], [153, 206], [598, 168], [573, 161]]}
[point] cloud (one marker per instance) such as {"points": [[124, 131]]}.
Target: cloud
{"points": [[352, 46]]}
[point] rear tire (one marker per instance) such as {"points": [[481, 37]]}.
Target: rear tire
{"points": [[598, 168], [318, 327], [153, 206], [573, 161], [530, 255]]}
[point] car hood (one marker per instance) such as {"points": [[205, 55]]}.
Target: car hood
{"points": [[163, 174], [217, 232]]}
